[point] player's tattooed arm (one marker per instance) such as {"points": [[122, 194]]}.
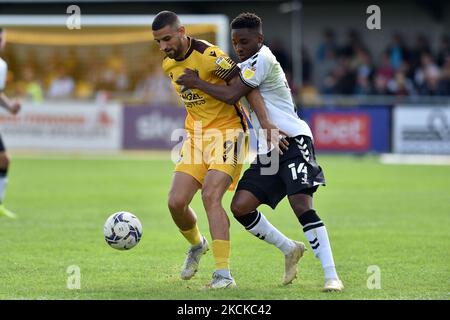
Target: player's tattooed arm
{"points": [[229, 94]]}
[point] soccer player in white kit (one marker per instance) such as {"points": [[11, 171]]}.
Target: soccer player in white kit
{"points": [[13, 107], [298, 176]]}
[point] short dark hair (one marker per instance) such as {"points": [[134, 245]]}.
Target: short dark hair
{"points": [[164, 18], [247, 20]]}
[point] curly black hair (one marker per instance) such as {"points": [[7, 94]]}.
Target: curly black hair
{"points": [[246, 20]]}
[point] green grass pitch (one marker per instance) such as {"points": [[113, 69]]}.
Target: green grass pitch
{"points": [[394, 217]]}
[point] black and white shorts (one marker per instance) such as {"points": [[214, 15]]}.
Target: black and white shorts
{"points": [[298, 172]]}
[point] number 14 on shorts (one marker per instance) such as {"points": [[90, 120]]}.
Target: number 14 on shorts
{"points": [[301, 170]]}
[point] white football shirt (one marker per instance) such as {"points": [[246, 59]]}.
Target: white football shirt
{"points": [[264, 72], [3, 72]]}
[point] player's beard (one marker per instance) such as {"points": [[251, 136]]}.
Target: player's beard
{"points": [[177, 52]]}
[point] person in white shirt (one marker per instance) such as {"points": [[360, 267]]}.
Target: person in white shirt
{"points": [[12, 107], [298, 175]]}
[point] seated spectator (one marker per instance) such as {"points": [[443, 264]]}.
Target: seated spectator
{"points": [[122, 83], [443, 51], [33, 88], [84, 88], [353, 41], [62, 86], [421, 47], [364, 73], [397, 51], [427, 76], [325, 70], [382, 76], [400, 85], [345, 78], [327, 47], [444, 81]]}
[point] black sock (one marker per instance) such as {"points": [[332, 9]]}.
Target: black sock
{"points": [[249, 220], [311, 219]]}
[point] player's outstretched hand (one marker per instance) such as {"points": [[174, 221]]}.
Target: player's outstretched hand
{"points": [[15, 107], [188, 79]]}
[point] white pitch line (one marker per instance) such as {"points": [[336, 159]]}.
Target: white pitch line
{"points": [[127, 155], [415, 159]]}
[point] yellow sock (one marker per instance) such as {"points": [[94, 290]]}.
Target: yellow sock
{"points": [[192, 235], [221, 252]]}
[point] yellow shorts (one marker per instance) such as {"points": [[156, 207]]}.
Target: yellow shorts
{"points": [[225, 152]]}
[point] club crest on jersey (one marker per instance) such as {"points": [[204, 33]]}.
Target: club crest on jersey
{"points": [[249, 73], [223, 63]]}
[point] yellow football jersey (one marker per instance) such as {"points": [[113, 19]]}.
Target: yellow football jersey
{"points": [[213, 66]]}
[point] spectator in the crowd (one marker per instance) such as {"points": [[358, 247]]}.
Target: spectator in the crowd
{"points": [[329, 83], [344, 76], [325, 70], [427, 76], [112, 73], [115, 61], [400, 85], [421, 47], [328, 47], [397, 51], [33, 88], [382, 76], [62, 86], [353, 41], [107, 77], [444, 81], [85, 87], [364, 73], [122, 82], [83, 72], [443, 51]]}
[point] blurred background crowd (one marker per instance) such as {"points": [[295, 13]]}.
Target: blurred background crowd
{"points": [[409, 57], [341, 64]]}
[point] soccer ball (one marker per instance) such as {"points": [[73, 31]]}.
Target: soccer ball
{"points": [[122, 230]]}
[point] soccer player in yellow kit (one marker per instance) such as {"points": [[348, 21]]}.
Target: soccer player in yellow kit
{"points": [[212, 155]]}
